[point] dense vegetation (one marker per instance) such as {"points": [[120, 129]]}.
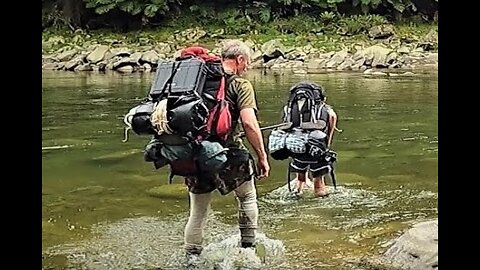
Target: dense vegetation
{"points": [[234, 16]]}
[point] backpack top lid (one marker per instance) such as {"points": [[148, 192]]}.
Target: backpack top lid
{"points": [[200, 52], [304, 104], [186, 73], [318, 92]]}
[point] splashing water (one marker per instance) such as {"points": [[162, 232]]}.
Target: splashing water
{"points": [[152, 243], [227, 255], [342, 197], [348, 207]]}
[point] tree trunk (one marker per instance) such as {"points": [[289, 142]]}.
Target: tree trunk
{"points": [[72, 11]]}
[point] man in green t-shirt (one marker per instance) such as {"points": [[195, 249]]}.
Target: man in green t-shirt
{"points": [[241, 96]]}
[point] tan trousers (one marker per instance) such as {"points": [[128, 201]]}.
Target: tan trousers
{"points": [[246, 196]]}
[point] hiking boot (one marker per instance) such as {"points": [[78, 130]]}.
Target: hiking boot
{"points": [[259, 249], [247, 245], [192, 254], [192, 260]]}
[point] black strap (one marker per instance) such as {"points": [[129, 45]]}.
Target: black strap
{"points": [[170, 177], [334, 180], [307, 110], [297, 115], [170, 79], [230, 78], [289, 172], [294, 113]]}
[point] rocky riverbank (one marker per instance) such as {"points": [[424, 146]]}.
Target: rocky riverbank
{"points": [[383, 50]]}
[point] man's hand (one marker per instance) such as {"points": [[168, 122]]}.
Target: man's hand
{"points": [[264, 168]]}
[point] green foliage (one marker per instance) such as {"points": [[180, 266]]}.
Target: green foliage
{"points": [[148, 8], [235, 22], [52, 15], [327, 17], [298, 24], [359, 24], [53, 18], [241, 16], [265, 14]]}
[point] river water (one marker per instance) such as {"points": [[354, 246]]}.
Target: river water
{"points": [[103, 207]]}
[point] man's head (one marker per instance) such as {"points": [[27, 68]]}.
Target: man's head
{"points": [[236, 56]]}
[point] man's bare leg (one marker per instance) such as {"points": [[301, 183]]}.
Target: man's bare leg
{"points": [[319, 186], [300, 181]]}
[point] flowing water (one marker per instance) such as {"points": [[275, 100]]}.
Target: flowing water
{"points": [[103, 207]]}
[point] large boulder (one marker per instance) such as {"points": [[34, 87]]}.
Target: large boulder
{"points": [[84, 67], [53, 66], [163, 48], [97, 54], [348, 64], [337, 59], [150, 57], [272, 49], [381, 31], [376, 56], [296, 54], [67, 55], [257, 55], [77, 60], [251, 44], [416, 249], [120, 51], [316, 63], [132, 60]]}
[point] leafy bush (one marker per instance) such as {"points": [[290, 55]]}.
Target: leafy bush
{"points": [[359, 24], [245, 15], [148, 8]]}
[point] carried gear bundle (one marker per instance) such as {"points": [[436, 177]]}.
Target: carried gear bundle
{"points": [[187, 114], [305, 134], [297, 143]]}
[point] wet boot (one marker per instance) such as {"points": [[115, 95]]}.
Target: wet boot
{"points": [[192, 255], [247, 245]]}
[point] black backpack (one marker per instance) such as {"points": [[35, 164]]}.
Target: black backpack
{"points": [[313, 115], [190, 85]]}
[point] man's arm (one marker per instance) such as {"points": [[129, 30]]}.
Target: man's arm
{"points": [[254, 136], [248, 106], [332, 120], [253, 132]]}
